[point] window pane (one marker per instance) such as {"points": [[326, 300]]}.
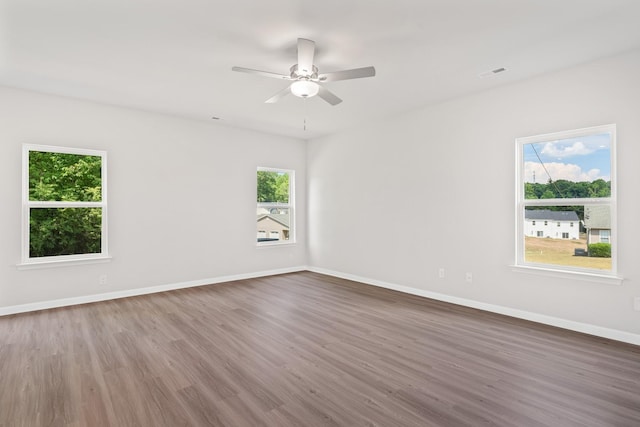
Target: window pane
{"points": [[65, 231], [273, 187], [570, 168], [64, 177], [273, 223], [567, 244]]}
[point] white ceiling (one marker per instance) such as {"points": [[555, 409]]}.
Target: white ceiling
{"points": [[175, 56]]}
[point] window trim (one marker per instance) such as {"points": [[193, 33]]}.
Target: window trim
{"points": [[520, 204], [62, 260], [290, 206]]}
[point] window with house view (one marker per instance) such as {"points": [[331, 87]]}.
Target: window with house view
{"points": [[275, 206], [64, 204], [566, 200]]}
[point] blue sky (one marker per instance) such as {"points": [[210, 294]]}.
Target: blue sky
{"points": [[584, 158]]}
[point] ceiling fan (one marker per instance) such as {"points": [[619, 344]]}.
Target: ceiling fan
{"points": [[305, 78]]}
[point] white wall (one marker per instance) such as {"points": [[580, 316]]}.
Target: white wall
{"points": [[181, 197], [392, 202], [396, 201]]}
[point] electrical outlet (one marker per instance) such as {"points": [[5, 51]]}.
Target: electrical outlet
{"points": [[441, 273], [102, 280], [636, 303], [469, 277]]}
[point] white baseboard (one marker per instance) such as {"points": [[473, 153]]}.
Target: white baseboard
{"points": [[43, 305], [520, 314]]}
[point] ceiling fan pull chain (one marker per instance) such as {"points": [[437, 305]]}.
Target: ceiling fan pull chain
{"points": [[304, 111]]}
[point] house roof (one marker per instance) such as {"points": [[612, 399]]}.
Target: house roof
{"points": [[282, 219], [597, 216], [546, 214]]}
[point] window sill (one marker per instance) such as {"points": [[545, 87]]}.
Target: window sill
{"points": [[275, 244], [55, 263], [605, 279]]}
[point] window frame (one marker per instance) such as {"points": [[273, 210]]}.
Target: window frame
{"points": [[605, 276], [27, 205], [291, 206]]}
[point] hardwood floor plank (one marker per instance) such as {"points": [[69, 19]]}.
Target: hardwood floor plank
{"points": [[304, 349], [201, 409], [200, 370], [126, 398], [161, 406], [93, 410]]}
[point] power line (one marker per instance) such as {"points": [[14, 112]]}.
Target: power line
{"points": [[547, 171]]}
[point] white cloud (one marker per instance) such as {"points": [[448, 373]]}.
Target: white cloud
{"points": [[578, 148], [568, 171]]}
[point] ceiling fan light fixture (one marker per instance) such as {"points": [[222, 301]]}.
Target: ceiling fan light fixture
{"points": [[304, 76], [304, 88]]}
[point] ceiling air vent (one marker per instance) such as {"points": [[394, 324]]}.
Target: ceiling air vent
{"points": [[492, 72]]}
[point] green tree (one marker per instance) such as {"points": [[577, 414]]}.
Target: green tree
{"points": [[548, 194], [600, 188], [273, 187], [65, 231], [563, 189], [266, 186], [64, 177], [530, 191], [282, 188]]}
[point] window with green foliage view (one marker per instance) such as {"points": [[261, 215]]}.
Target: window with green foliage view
{"points": [[64, 203], [275, 219]]}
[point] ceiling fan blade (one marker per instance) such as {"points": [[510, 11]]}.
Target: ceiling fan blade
{"points": [[261, 73], [275, 98], [356, 73], [306, 50], [328, 96]]}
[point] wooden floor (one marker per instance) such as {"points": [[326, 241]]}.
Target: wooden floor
{"points": [[304, 349]]}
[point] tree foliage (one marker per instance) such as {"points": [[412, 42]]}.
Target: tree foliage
{"points": [[61, 177], [273, 187], [65, 231], [563, 189]]}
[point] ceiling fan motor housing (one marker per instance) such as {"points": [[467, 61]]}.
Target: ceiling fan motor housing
{"points": [[296, 74]]}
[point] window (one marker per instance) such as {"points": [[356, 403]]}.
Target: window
{"points": [[64, 204], [533, 222], [567, 177], [275, 206]]}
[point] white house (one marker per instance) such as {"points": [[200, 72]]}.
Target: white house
{"points": [[553, 224]]}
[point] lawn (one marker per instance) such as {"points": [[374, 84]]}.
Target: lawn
{"points": [[561, 252]]}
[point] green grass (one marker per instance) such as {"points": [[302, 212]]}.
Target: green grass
{"points": [[561, 252]]}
